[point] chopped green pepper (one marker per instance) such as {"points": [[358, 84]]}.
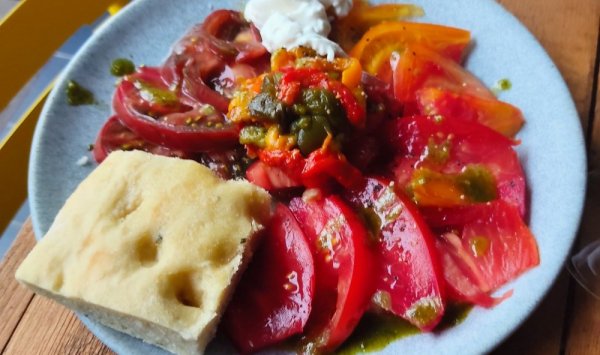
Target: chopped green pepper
{"points": [[253, 135], [324, 103], [312, 137], [267, 107]]}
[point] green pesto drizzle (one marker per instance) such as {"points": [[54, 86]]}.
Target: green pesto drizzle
{"points": [[454, 315], [376, 331], [121, 67], [77, 95], [502, 85]]}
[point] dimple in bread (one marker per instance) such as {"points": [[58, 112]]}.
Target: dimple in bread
{"points": [[151, 246]]}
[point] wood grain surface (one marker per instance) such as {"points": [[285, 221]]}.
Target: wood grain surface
{"points": [[567, 321]]}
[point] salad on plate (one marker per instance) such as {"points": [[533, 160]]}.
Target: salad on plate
{"points": [[399, 192]]}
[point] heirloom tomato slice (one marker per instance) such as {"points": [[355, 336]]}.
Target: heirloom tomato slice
{"points": [[409, 280], [482, 247], [147, 106], [446, 162], [347, 31], [495, 114], [115, 136], [375, 48], [274, 298], [418, 67], [343, 270]]}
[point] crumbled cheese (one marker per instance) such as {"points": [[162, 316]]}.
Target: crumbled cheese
{"points": [[293, 23]]}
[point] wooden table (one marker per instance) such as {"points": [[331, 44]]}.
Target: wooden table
{"points": [[568, 320]]}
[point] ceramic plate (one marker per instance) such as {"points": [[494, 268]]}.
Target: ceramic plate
{"points": [[552, 149]]}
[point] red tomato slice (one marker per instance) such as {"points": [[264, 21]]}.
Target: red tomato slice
{"points": [[148, 107], [274, 298], [343, 269], [483, 247], [420, 67], [270, 178], [115, 136], [409, 280], [451, 147], [495, 114]]}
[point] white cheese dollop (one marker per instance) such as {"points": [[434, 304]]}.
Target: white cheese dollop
{"points": [[293, 23]]}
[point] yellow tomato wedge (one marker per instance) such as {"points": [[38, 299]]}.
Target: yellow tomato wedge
{"points": [[377, 45], [348, 30]]}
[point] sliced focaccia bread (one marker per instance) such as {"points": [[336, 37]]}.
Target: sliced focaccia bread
{"points": [[151, 246]]}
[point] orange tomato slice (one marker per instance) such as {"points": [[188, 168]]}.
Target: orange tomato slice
{"points": [[377, 45], [499, 116], [348, 30]]}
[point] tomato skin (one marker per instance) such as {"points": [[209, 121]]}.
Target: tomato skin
{"points": [[409, 279], [483, 246], [128, 100], [343, 269], [469, 143], [115, 136], [274, 298]]}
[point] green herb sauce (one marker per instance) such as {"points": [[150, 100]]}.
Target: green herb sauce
{"points": [[121, 67], [454, 314], [502, 85], [478, 183], [77, 95], [376, 331], [157, 95]]}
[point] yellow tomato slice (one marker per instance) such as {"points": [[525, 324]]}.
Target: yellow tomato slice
{"points": [[377, 45], [348, 30]]}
